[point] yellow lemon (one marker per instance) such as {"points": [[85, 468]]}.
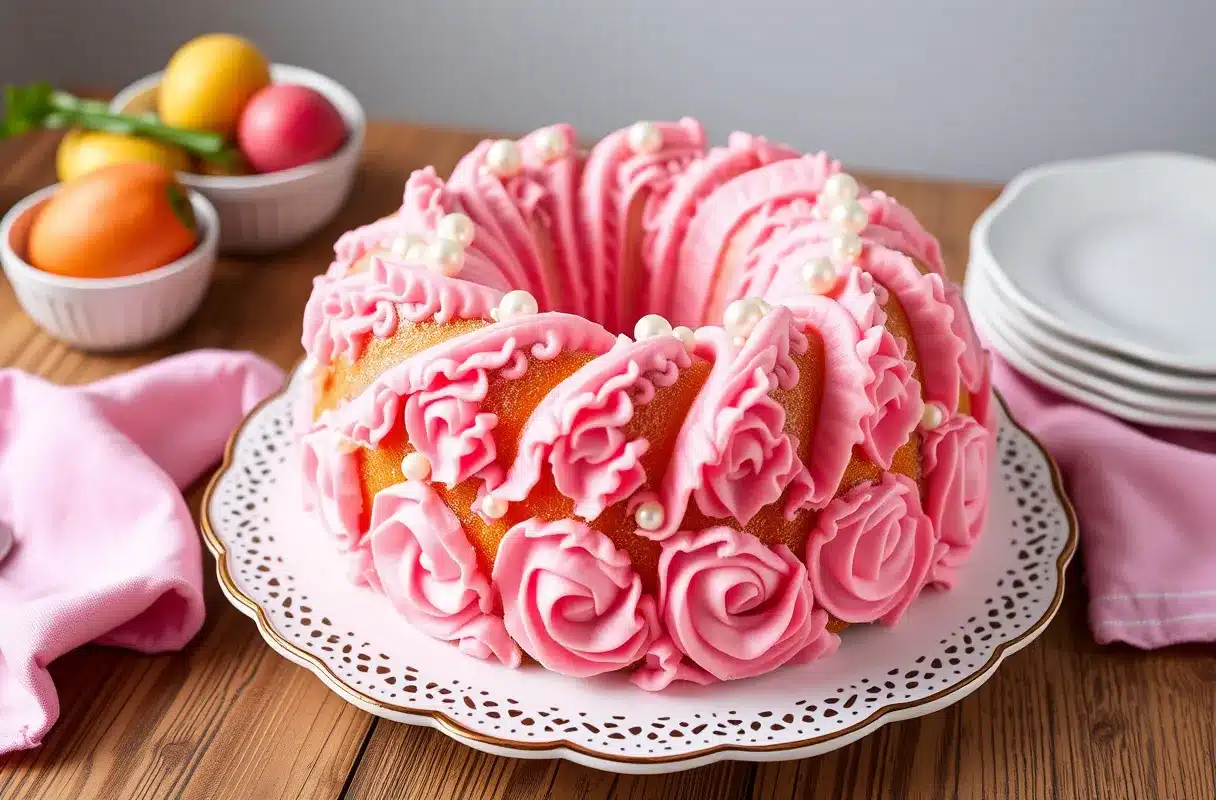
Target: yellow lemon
{"points": [[82, 152], [209, 80]]}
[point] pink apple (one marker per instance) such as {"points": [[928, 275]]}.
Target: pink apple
{"points": [[285, 125]]}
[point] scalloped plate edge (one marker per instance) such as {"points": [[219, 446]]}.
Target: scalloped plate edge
{"points": [[561, 748]]}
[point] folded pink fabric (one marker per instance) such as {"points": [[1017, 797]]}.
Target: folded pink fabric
{"points": [[1146, 501], [104, 549]]}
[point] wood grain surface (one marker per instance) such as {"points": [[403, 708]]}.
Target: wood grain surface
{"points": [[229, 718]]}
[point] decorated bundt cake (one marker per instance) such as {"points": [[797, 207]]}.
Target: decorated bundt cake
{"points": [[680, 410]]}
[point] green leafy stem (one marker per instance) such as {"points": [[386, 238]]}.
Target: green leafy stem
{"points": [[39, 105]]}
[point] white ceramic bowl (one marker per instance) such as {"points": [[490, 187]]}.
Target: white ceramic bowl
{"points": [[106, 314], [260, 213]]}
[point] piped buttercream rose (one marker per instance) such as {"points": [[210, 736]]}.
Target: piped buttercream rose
{"points": [[871, 550], [428, 569], [446, 424], [595, 463], [956, 456], [735, 607], [893, 392], [755, 458], [571, 599]]}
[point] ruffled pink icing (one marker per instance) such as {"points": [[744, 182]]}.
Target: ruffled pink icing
{"points": [[973, 362], [956, 459], [871, 550], [664, 665], [548, 193], [571, 600], [893, 392], [613, 177], [343, 314], [735, 607], [503, 234], [720, 214], [577, 431], [446, 425], [923, 298], [844, 402], [466, 362], [429, 572], [732, 453], [894, 226], [742, 153], [330, 471]]}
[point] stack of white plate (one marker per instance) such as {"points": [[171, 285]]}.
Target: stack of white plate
{"points": [[1097, 279]]}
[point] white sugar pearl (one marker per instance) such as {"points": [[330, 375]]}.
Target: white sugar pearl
{"points": [[933, 417], [645, 137], [416, 251], [503, 158], [850, 217], [742, 315], [819, 275], [416, 467], [685, 335], [550, 144], [457, 227], [650, 326], [494, 507], [650, 515], [402, 244], [445, 256], [515, 304], [846, 247], [841, 188]]}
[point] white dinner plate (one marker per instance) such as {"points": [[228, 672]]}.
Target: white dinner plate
{"points": [[1113, 399], [1101, 364], [1118, 253], [276, 566]]}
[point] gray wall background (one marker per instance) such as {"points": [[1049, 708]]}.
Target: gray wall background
{"points": [[977, 89]]}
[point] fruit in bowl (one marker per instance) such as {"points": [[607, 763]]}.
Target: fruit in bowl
{"points": [[287, 125], [208, 82], [123, 219], [81, 152]]}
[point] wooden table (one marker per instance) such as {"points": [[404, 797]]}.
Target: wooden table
{"points": [[228, 718]]}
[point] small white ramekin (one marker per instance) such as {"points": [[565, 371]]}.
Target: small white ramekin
{"points": [[260, 213], [108, 314]]}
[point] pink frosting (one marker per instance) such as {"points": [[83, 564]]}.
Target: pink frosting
{"points": [[923, 297], [343, 314], [330, 469], [429, 572], [461, 367], [548, 192], [721, 213], [974, 364], [743, 153], [571, 599], [577, 431], [956, 459], [613, 178], [735, 607], [503, 233], [894, 226], [893, 392], [871, 550], [732, 452], [664, 665], [844, 403]]}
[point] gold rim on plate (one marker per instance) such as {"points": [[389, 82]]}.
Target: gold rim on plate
{"points": [[318, 666]]}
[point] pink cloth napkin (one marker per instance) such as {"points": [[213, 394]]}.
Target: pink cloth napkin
{"points": [[104, 549], [1146, 501]]}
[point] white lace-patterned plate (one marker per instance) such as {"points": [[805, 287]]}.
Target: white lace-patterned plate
{"points": [[275, 566]]}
